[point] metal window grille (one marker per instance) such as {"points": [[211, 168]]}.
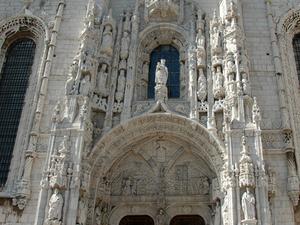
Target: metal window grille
{"points": [[296, 45], [13, 85], [171, 55]]}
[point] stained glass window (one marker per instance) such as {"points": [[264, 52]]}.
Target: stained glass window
{"points": [[13, 85], [296, 45], [171, 55]]}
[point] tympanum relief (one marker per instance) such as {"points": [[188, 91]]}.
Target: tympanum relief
{"points": [[161, 166]]}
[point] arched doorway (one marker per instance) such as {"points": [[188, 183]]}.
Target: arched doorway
{"points": [[137, 220], [187, 220], [155, 158]]}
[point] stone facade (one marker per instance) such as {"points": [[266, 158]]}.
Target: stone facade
{"points": [[92, 148]]}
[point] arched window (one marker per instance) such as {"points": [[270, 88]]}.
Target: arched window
{"points": [[171, 55], [13, 85], [296, 46]]}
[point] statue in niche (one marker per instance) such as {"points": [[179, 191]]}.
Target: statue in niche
{"points": [[69, 87], [102, 214], [248, 205], [105, 215], [121, 86], [200, 40], [98, 215], [85, 85], [161, 217], [87, 63], [161, 75], [216, 39], [218, 83], [55, 206], [244, 63], [246, 84], [102, 78], [125, 42], [107, 41], [217, 219], [201, 93], [161, 78]]}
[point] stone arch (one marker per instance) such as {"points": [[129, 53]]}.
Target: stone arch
{"points": [[110, 162], [150, 38], [12, 29], [121, 211], [182, 209], [114, 144], [287, 27]]}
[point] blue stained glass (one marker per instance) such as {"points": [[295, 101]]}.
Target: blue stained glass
{"points": [[171, 55]]}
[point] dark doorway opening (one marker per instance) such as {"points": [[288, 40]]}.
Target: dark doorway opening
{"points": [[187, 220], [137, 220]]}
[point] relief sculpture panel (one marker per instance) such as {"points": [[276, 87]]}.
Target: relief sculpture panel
{"points": [[160, 166]]}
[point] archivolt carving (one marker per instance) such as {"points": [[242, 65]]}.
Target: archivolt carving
{"points": [[122, 138], [152, 37], [160, 166], [35, 25]]}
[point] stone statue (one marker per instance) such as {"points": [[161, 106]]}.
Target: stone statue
{"points": [[161, 78], [105, 215], [217, 220], [127, 187], [200, 40], [102, 214], [161, 217], [218, 81], [125, 42], [85, 85], [216, 39], [248, 205], [107, 41], [55, 206], [102, 79], [98, 215], [70, 84], [161, 75], [201, 93], [121, 86], [246, 84]]}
